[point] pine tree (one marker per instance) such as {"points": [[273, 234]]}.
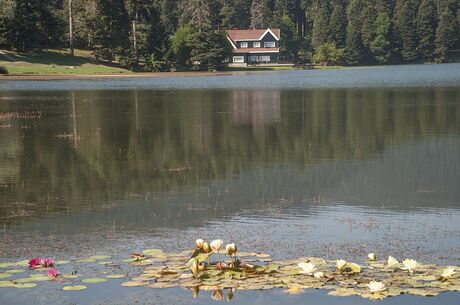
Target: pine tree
{"points": [[209, 49], [111, 36], [35, 24], [243, 13], [290, 41], [229, 14], [169, 18], [260, 14], [321, 31], [6, 21], [354, 49], [426, 28], [201, 15], [405, 26], [338, 24], [284, 8], [381, 45], [368, 25], [447, 30]]}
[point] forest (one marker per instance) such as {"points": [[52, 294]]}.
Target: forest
{"points": [[156, 35]]}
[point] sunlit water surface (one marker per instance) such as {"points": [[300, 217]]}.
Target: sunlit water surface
{"points": [[305, 163]]}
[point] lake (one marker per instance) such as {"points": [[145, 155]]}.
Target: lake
{"points": [[329, 163]]}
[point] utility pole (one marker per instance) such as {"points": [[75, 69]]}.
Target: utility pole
{"points": [[72, 52]]}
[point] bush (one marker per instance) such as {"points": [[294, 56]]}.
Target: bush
{"points": [[153, 64], [3, 70], [328, 54]]}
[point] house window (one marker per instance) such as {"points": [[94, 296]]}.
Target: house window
{"points": [[264, 58], [238, 58], [256, 58], [256, 44], [244, 45], [269, 44]]}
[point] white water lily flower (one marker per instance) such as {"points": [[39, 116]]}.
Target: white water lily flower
{"points": [[199, 243], [448, 273], [319, 275], [372, 256], [231, 249], [307, 268], [392, 261], [216, 244], [409, 265], [376, 287], [340, 264]]}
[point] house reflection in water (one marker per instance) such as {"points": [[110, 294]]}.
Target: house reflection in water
{"points": [[257, 108]]}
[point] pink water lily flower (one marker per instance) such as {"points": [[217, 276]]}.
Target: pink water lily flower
{"points": [[34, 262], [47, 262], [53, 272]]}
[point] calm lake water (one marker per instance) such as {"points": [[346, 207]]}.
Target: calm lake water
{"points": [[335, 163]]}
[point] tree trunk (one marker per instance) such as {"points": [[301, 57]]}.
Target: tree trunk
{"points": [[72, 52], [135, 35]]}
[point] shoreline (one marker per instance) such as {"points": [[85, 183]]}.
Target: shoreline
{"points": [[49, 77]]}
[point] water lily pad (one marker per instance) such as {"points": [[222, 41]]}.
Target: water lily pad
{"points": [[5, 284], [5, 275], [153, 252], [86, 260], [99, 257], [24, 285], [105, 263], [41, 278], [134, 283], [74, 288], [62, 262], [343, 292], [14, 271], [70, 276], [24, 280], [162, 285], [94, 280], [115, 276]]}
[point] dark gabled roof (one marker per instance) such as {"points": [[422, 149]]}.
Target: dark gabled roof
{"points": [[239, 35]]}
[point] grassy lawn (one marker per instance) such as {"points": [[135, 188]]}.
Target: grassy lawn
{"points": [[55, 62]]}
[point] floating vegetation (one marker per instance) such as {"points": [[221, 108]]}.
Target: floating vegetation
{"points": [[74, 288], [94, 280], [213, 267]]}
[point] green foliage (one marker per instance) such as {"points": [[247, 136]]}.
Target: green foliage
{"points": [[6, 21], [354, 48], [111, 35], [180, 43], [209, 49], [328, 54], [406, 29], [369, 30], [447, 30], [3, 70], [426, 28], [153, 64], [320, 23], [35, 24], [338, 24], [260, 14], [381, 45], [290, 41]]}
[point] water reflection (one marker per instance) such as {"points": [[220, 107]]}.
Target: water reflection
{"points": [[399, 147]]}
